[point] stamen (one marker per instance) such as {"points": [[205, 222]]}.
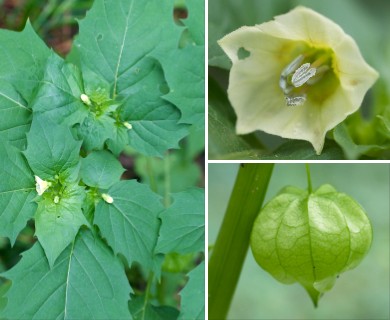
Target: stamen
{"points": [[319, 74], [292, 66], [302, 75], [295, 75]]}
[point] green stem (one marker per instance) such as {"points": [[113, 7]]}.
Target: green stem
{"points": [[152, 180], [167, 181], [309, 186], [147, 294], [233, 239]]}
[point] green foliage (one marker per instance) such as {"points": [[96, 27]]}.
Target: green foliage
{"points": [[20, 73], [16, 188], [58, 95], [192, 295], [100, 169], [310, 237], [57, 224], [141, 312], [130, 223], [182, 229], [52, 150], [63, 123], [87, 281]]}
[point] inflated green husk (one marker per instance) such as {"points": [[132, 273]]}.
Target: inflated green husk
{"points": [[310, 238]]}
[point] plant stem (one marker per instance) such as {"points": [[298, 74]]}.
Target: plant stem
{"points": [[147, 294], [309, 186], [167, 181], [233, 239]]}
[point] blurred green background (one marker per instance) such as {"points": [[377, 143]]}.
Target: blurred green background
{"points": [[362, 293]]}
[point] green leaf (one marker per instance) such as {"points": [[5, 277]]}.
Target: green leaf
{"points": [[86, 282], [385, 123], [57, 224], [58, 96], [21, 50], [350, 148], [130, 70], [192, 296], [223, 140], [22, 57], [185, 78], [195, 20], [296, 149], [310, 238], [130, 224], [100, 169], [51, 149], [15, 115], [3, 290], [182, 228], [119, 140], [17, 191], [154, 120], [110, 37], [142, 311], [94, 131]]}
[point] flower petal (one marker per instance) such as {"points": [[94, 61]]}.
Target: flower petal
{"points": [[254, 85]]}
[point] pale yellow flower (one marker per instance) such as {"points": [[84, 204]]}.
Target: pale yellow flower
{"points": [[297, 76], [41, 185]]}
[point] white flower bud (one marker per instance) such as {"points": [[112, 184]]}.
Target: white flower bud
{"points": [[107, 198], [85, 99], [127, 125]]}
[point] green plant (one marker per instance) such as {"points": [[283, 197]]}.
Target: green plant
{"points": [[306, 236], [133, 82]]}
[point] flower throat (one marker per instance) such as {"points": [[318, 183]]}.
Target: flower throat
{"points": [[301, 74]]}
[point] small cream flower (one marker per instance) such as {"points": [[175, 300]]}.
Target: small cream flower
{"points": [[297, 76], [106, 197], [85, 99], [127, 125], [41, 185]]}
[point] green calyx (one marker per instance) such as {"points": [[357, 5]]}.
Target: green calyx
{"points": [[55, 191], [310, 238], [99, 102]]}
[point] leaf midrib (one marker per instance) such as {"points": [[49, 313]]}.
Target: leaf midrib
{"points": [[121, 49]]}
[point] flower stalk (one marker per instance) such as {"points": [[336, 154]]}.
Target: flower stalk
{"points": [[233, 238]]}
